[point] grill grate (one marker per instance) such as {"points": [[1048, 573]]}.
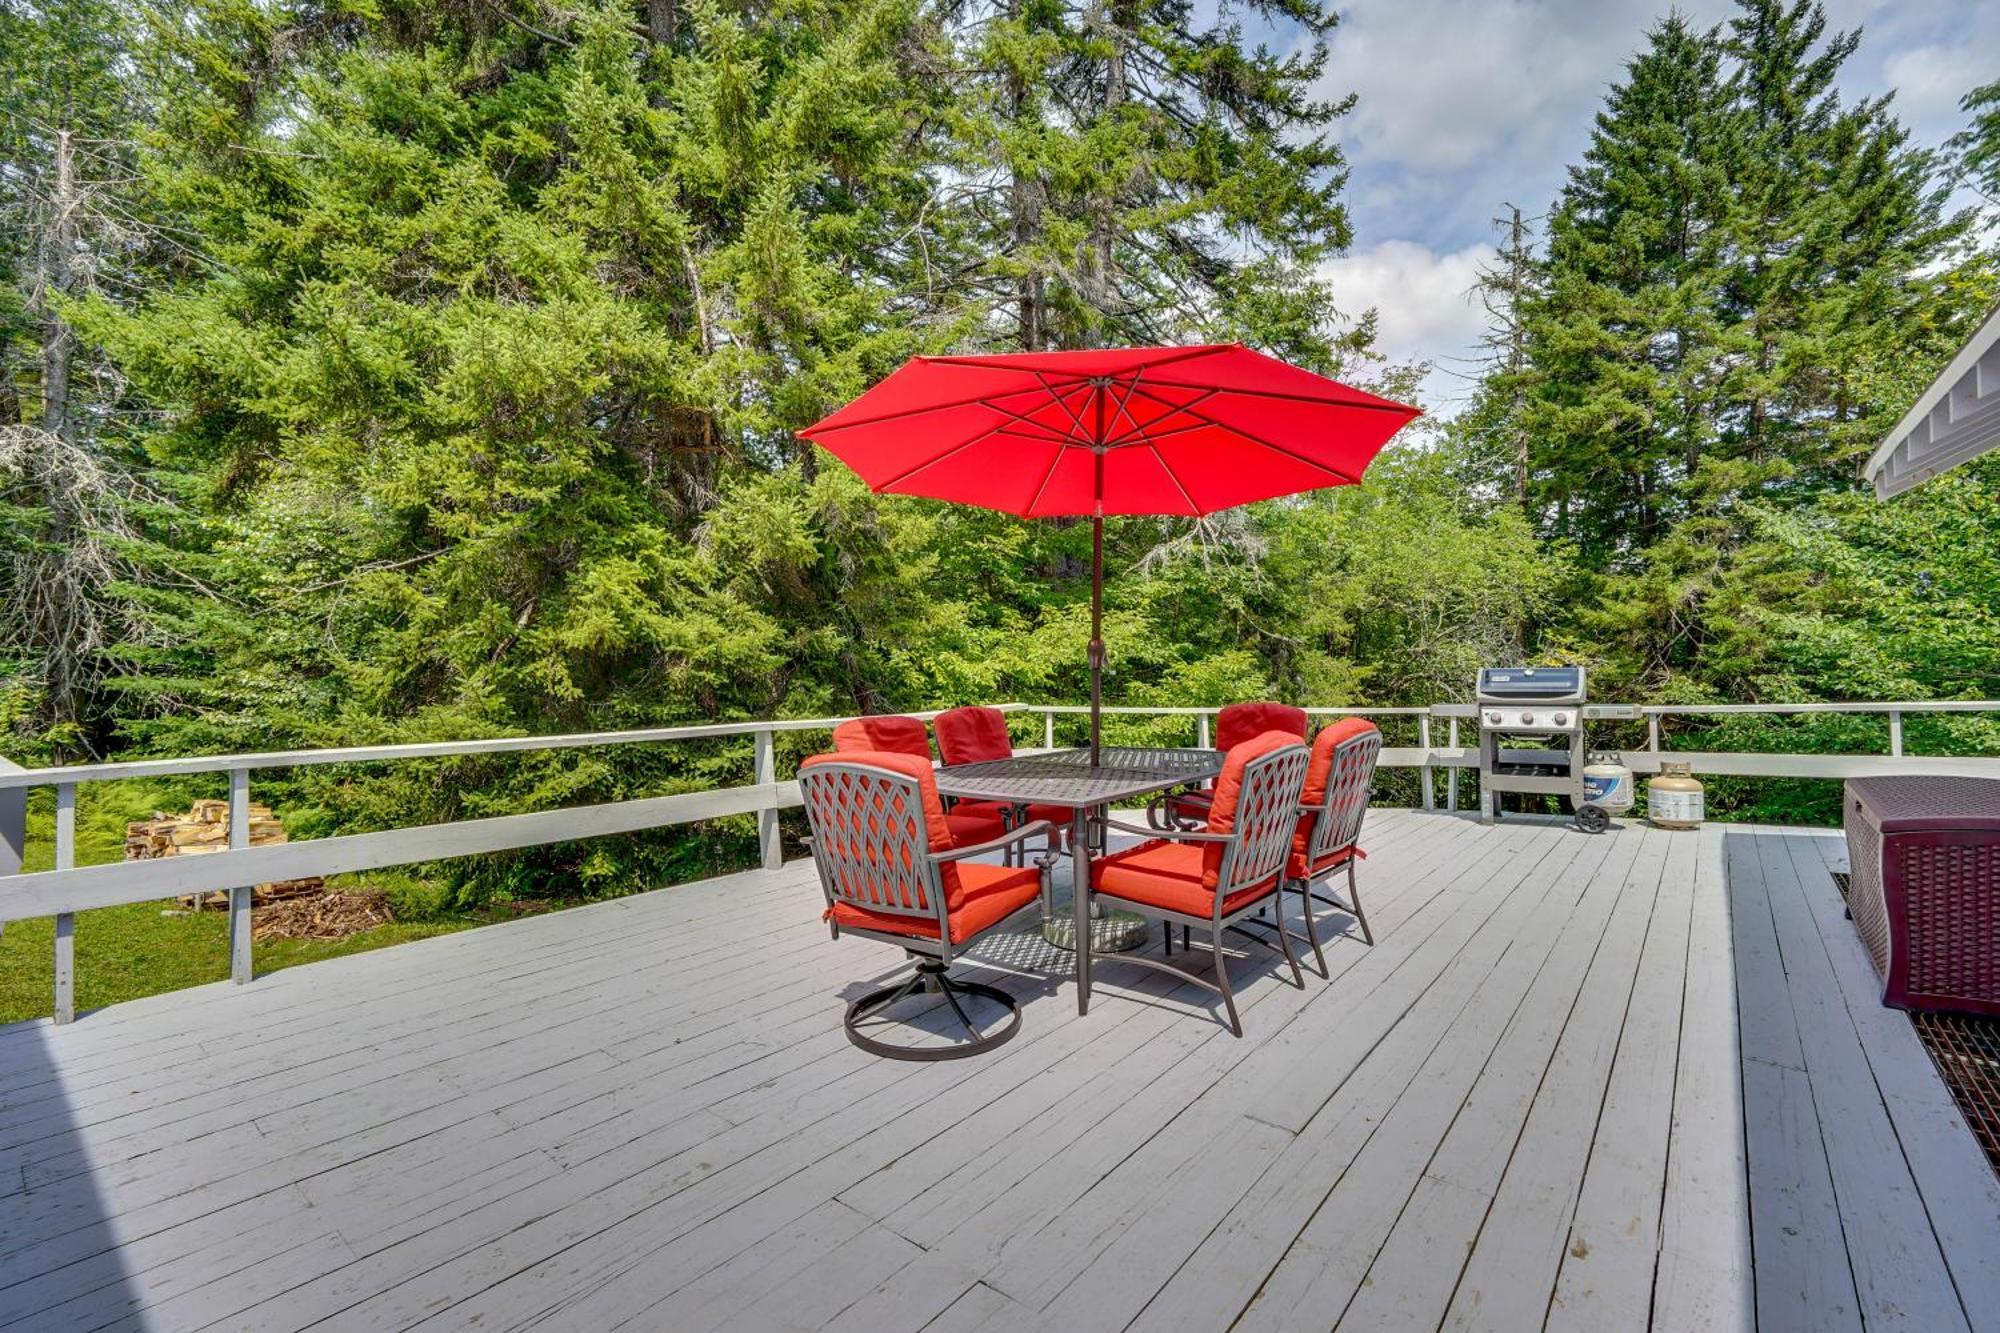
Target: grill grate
{"points": [[1966, 1050]]}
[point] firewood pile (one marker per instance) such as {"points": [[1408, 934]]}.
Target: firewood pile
{"points": [[205, 828]]}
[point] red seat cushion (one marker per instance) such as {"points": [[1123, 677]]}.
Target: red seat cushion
{"points": [[1246, 721], [1297, 868], [895, 735], [972, 735], [1167, 875], [1181, 877], [997, 810], [973, 826], [986, 896]]}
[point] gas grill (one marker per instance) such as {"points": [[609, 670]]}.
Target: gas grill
{"points": [[1530, 733]]}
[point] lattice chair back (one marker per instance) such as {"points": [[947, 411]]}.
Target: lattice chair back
{"points": [[876, 819], [1351, 748], [1264, 815]]}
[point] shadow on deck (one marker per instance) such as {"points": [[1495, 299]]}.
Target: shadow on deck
{"points": [[1578, 1083]]}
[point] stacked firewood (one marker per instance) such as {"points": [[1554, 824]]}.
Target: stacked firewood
{"points": [[205, 828]]}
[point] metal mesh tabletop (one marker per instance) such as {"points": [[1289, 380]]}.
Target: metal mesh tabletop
{"points": [[1065, 777]]}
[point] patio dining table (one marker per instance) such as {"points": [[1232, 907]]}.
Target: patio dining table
{"points": [[1067, 778]]}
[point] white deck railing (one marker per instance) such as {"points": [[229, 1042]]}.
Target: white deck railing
{"points": [[68, 888]]}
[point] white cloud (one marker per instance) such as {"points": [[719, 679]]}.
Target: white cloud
{"points": [[1425, 303], [1930, 80]]}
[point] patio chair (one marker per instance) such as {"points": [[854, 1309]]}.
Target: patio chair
{"points": [[974, 735], [1218, 876], [970, 821], [1235, 724], [891, 872], [1331, 809]]}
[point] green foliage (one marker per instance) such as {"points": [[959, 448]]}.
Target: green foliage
{"points": [[471, 341]]}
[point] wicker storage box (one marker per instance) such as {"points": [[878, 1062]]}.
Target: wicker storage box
{"points": [[1924, 888]]}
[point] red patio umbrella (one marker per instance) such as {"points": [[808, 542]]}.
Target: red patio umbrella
{"points": [[1128, 430]]}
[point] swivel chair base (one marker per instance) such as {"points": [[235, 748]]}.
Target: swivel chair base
{"points": [[931, 978]]}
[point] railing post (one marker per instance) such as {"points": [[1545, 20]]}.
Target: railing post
{"points": [[65, 1007], [768, 840], [1451, 778], [1424, 743], [1201, 731], [1653, 732], [240, 897], [1896, 732], [13, 826], [1048, 729]]}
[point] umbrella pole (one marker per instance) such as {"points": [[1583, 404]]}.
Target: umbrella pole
{"points": [[1096, 637]]}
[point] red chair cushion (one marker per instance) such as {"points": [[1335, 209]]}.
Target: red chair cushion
{"points": [[986, 896], [1324, 744], [1172, 876], [1228, 790], [1297, 868], [969, 826], [1317, 773], [1246, 721], [971, 735], [937, 831], [896, 735]]}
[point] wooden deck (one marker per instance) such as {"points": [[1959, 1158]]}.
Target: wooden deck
{"points": [[1579, 1083]]}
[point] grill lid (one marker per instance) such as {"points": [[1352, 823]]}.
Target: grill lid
{"points": [[1509, 684]]}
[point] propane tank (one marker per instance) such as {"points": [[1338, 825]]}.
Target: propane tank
{"points": [[1674, 799], [1607, 784]]}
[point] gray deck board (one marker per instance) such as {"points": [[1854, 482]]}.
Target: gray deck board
{"points": [[1578, 1083]]}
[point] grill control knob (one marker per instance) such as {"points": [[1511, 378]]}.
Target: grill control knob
{"points": [[1560, 719], [1494, 718], [1526, 718]]}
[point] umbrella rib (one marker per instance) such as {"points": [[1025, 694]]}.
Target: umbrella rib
{"points": [[1047, 477], [1083, 431], [1174, 477], [953, 452], [1125, 405], [1140, 432], [1212, 389], [980, 400], [1274, 448]]}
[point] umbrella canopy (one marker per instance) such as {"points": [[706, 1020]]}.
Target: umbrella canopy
{"points": [[1129, 430]]}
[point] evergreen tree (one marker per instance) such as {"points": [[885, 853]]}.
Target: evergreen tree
{"points": [[1622, 339], [67, 232], [1139, 172]]}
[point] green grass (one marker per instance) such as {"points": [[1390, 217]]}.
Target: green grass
{"points": [[123, 953]]}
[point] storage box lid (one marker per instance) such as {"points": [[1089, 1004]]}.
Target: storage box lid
{"points": [[1911, 803]]}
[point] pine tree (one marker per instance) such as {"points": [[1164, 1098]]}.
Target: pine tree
{"points": [[1149, 176], [1837, 220], [1622, 339]]}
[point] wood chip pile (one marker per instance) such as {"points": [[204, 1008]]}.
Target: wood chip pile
{"points": [[333, 915]]}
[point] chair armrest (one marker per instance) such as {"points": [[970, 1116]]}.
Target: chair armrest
{"points": [[1170, 835], [1007, 839]]}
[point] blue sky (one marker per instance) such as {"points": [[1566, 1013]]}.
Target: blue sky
{"points": [[1466, 105]]}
